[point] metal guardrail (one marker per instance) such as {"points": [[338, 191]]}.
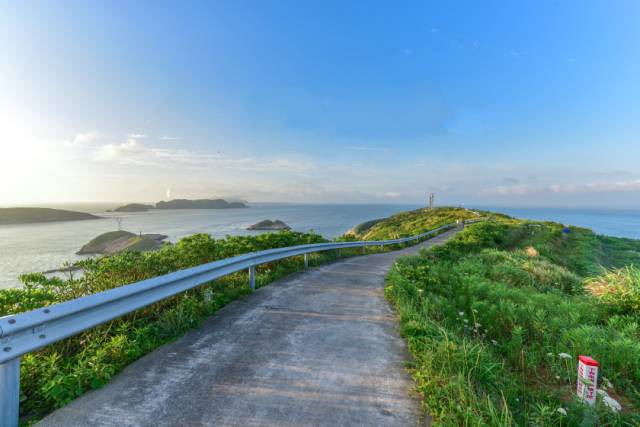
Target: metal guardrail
{"points": [[25, 332]]}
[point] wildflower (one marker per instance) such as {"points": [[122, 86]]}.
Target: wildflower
{"points": [[549, 354], [494, 342], [557, 377], [565, 356], [461, 313], [613, 404], [421, 290], [465, 321], [602, 393], [562, 411]]}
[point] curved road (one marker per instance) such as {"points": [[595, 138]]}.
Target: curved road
{"points": [[316, 348]]}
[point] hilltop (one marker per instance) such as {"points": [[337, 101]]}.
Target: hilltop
{"points": [[410, 223], [199, 204], [118, 241], [34, 215], [134, 207]]}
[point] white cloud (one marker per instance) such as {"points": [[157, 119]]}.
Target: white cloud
{"points": [[169, 138], [82, 138], [566, 188], [137, 136]]}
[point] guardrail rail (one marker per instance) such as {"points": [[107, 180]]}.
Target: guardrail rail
{"points": [[26, 332]]}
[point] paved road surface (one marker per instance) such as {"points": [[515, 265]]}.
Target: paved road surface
{"points": [[318, 348]]}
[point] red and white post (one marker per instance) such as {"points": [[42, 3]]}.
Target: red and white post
{"points": [[587, 370]]}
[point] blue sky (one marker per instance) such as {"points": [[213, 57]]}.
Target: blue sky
{"points": [[508, 103]]}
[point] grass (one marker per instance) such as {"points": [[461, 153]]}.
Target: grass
{"points": [[496, 317], [57, 374]]}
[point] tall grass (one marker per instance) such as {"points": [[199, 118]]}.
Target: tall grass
{"points": [[496, 317]]}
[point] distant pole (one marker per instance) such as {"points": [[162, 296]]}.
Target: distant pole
{"points": [[119, 222], [432, 198]]}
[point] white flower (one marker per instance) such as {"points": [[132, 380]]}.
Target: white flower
{"points": [[565, 356], [461, 313], [562, 411], [602, 393], [557, 377], [465, 321], [613, 404], [494, 342], [549, 354]]}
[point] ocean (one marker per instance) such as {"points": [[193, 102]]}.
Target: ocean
{"points": [[46, 246], [41, 247]]}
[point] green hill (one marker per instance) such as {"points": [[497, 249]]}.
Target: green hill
{"points": [[199, 204], [496, 318], [118, 241], [32, 215], [134, 207]]}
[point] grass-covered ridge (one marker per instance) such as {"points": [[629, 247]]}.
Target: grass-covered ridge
{"points": [[406, 224], [496, 318]]}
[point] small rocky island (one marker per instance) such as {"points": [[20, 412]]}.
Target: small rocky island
{"points": [[32, 215], [134, 207], [117, 241], [267, 224], [199, 204]]}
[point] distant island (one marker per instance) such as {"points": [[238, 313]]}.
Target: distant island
{"points": [[134, 207], [33, 215], [267, 224], [118, 241], [199, 204]]}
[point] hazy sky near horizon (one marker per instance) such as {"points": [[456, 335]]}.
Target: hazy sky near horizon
{"points": [[482, 102]]}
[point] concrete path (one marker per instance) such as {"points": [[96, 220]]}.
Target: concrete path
{"points": [[318, 348]]}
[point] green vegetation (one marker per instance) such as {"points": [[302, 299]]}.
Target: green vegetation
{"points": [[267, 224], [134, 207], [410, 223], [118, 241], [199, 204], [59, 373], [490, 317], [31, 215], [497, 316]]}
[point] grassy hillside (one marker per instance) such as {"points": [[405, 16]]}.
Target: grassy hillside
{"points": [[410, 223], [496, 318]]}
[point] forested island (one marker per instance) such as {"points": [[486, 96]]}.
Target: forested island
{"points": [[199, 204], [34, 215], [267, 224], [134, 207]]}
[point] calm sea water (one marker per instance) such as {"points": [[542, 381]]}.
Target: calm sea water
{"points": [[41, 247], [612, 222]]}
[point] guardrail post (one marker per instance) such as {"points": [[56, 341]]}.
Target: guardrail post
{"points": [[252, 277], [10, 393], [382, 248], [364, 248], [306, 261]]}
